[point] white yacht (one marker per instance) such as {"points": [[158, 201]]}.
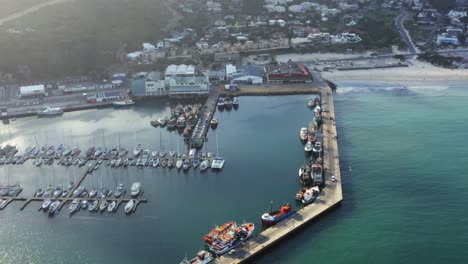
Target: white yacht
{"points": [[136, 189], [129, 206], [217, 163], [205, 164], [74, 206]]}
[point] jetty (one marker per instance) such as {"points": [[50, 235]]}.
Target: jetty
{"points": [[330, 197]]}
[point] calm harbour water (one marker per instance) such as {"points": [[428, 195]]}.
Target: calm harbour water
{"points": [[403, 156]]}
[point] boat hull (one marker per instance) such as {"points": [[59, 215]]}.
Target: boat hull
{"points": [[268, 222]]}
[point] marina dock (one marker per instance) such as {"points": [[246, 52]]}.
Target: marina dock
{"points": [[331, 196], [69, 198]]}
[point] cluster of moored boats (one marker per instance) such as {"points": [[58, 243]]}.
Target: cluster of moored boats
{"points": [[93, 200], [228, 103], [225, 238], [311, 174], [182, 117], [115, 157]]}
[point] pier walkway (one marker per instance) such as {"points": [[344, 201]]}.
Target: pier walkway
{"points": [[330, 196]]}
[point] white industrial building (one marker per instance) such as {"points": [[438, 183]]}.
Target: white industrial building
{"points": [[32, 90], [184, 80], [154, 86]]}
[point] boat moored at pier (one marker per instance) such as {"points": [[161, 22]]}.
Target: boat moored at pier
{"points": [[274, 217]]}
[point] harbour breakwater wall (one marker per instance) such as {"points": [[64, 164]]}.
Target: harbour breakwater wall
{"points": [[330, 197]]}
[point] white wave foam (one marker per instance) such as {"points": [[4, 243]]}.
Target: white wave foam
{"points": [[428, 88]]}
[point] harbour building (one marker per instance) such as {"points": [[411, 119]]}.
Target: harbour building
{"points": [[186, 81], [148, 84], [289, 72]]}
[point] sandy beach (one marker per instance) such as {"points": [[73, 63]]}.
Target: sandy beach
{"points": [[417, 71]]}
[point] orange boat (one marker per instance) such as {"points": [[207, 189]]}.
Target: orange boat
{"points": [[217, 231]]}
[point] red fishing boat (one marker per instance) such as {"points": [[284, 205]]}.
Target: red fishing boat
{"points": [[219, 230]]}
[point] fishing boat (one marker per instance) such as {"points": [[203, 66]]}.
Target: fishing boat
{"points": [[310, 103], [47, 111], [310, 195], [300, 194], [203, 257], [129, 206], [303, 134], [112, 206], [103, 205], [53, 208], [317, 149], [221, 103], [154, 123], [214, 122], [180, 122], [218, 230], [136, 189], [308, 147], [282, 213], [122, 103], [46, 204], [232, 239], [317, 173], [74, 206], [305, 177], [93, 206], [162, 121], [119, 191]]}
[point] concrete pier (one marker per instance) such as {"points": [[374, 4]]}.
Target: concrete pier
{"points": [[330, 196]]}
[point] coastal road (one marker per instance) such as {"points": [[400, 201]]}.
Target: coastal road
{"points": [[404, 34], [30, 10]]}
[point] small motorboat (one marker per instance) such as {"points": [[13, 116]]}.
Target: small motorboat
{"points": [[195, 163], [186, 164], [119, 191], [310, 103], [93, 206], [40, 192], [179, 163], [203, 257], [300, 194], [111, 206], [205, 164], [303, 134], [164, 163], [136, 189], [308, 147], [84, 204], [129, 206], [74, 206], [53, 208], [103, 205], [46, 204]]}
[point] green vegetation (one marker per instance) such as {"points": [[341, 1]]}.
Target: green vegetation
{"points": [[80, 37], [436, 59], [378, 29]]}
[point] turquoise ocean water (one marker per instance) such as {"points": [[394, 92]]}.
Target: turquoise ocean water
{"points": [[403, 159]]}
